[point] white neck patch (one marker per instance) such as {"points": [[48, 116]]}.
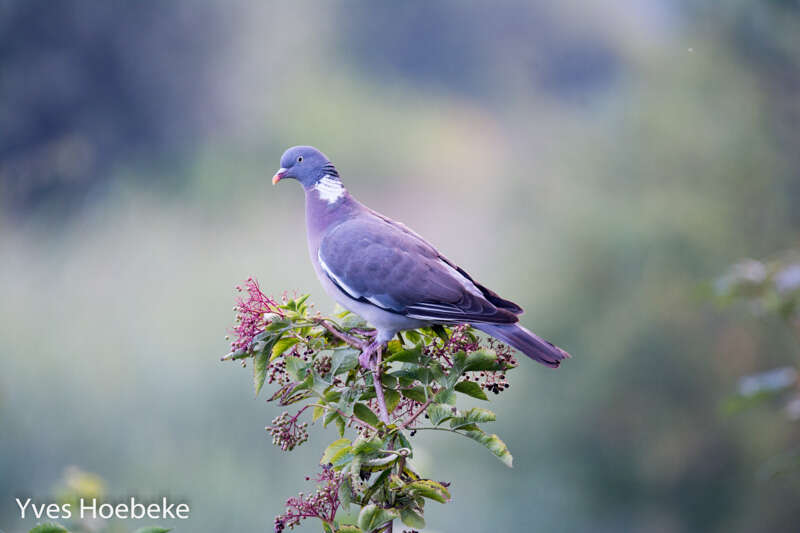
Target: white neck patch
{"points": [[329, 189]]}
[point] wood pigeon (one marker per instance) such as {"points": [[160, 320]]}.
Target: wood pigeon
{"points": [[393, 278]]}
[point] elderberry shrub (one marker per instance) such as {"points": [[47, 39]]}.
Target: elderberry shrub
{"points": [[312, 362]]}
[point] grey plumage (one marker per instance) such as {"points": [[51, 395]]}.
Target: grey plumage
{"points": [[392, 277]]}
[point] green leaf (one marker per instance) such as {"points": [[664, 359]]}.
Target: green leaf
{"points": [[260, 365], [335, 450], [362, 412], [430, 489], [379, 482], [445, 396], [318, 412], [379, 463], [412, 518], [476, 415], [363, 446], [402, 442], [392, 398], [349, 529], [345, 494], [282, 345], [152, 529], [417, 394], [279, 325], [343, 360], [372, 516], [326, 528], [481, 360], [440, 332], [50, 527], [352, 320], [494, 445], [410, 355], [470, 388], [388, 381], [439, 413], [339, 424], [296, 368], [413, 336]]}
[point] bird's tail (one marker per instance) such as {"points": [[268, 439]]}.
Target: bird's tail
{"points": [[526, 341]]}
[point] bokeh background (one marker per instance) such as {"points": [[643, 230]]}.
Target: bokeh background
{"points": [[597, 162]]}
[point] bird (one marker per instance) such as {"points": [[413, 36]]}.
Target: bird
{"points": [[389, 275]]}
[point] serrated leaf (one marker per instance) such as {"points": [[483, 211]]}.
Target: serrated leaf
{"points": [[412, 518], [343, 360], [349, 529], [427, 488], [481, 360], [445, 396], [296, 368], [440, 332], [362, 412], [49, 527], [476, 415], [345, 494], [339, 421], [153, 529], [260, 365], [402, 442], [392, 398], [410, 355], [372, 516], [417, 394], [388, 381], [379, 463], [334, 450], [352, 320], [493, 444], [378, 483], [439, 413], [278, 325], [470, 388], [283, 344], [413, 336], [363, 446]]}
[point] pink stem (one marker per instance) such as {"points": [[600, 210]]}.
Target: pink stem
{"points": [[376, 379]]}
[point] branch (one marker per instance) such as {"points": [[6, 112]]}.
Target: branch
{"points": [[417, 413], [376, 379], [342, 336]]}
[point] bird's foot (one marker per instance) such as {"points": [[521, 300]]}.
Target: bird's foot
{"points": [[367, 357]]}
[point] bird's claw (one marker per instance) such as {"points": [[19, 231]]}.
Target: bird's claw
{"points": [[367, 359]]}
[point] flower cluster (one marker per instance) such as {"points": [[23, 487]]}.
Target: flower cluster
{"points": [[286, 432], [322, 504], [253, 314]]}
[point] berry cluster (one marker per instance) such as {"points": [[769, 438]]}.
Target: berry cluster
{"points": [[287, 434], [497, 382], [322, 504], [322, 365]]}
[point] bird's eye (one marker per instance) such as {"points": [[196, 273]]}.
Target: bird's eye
{"points": [[300, 159]]}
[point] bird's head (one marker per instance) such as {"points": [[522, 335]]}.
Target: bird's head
{"points": [[306, 164]]}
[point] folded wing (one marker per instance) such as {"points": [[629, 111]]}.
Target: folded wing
{"points": [[374, 260]]}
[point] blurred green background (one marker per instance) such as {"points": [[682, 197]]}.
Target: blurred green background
{"points": [[594, 161]]}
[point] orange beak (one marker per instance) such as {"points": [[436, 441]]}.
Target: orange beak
{"points": [[279, 175]]}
